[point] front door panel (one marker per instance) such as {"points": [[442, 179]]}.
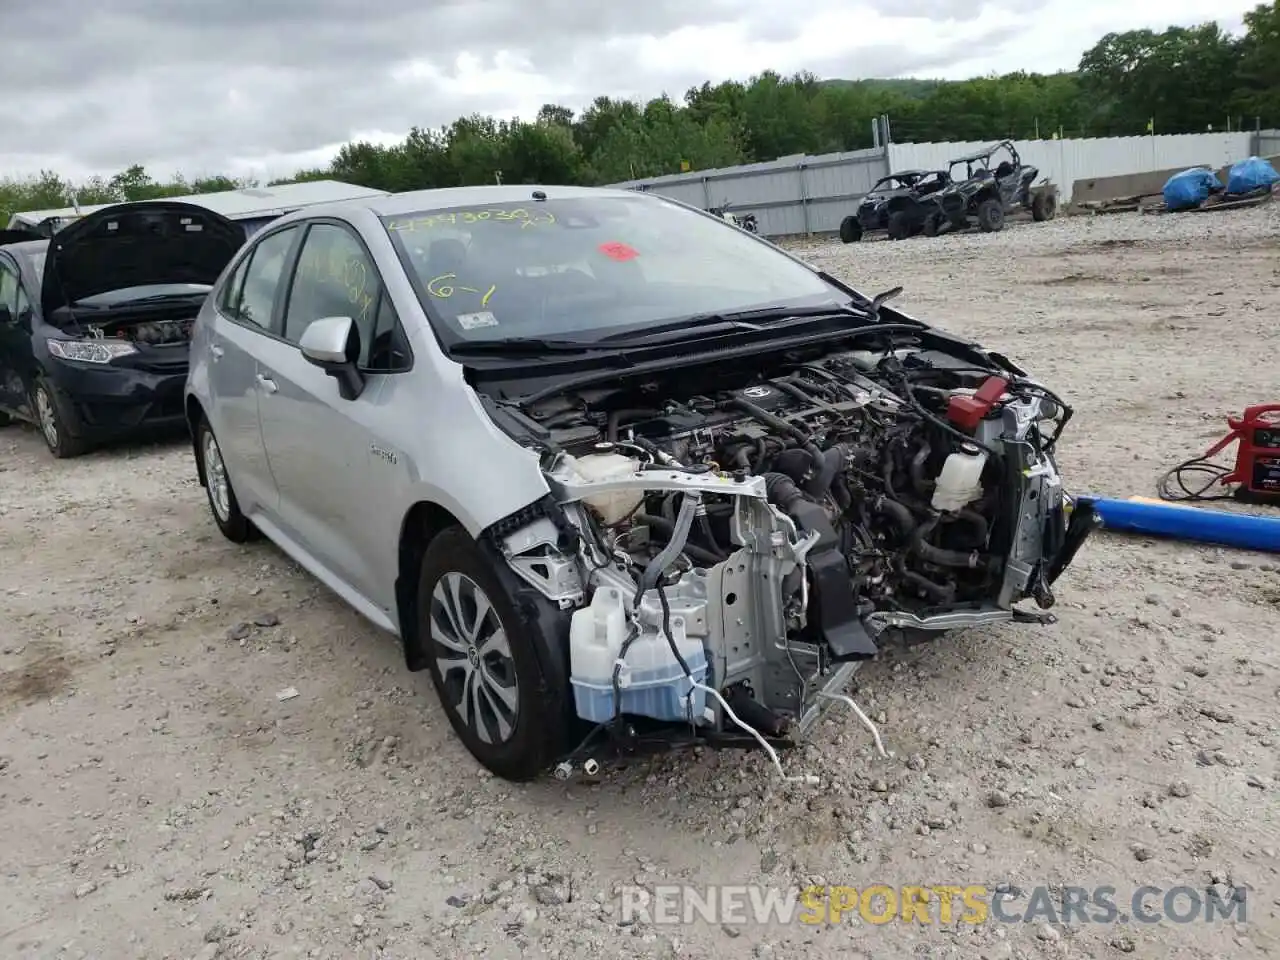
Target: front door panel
{"points": [[320, 457]]}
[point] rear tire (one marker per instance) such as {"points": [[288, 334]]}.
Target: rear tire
{"points": [[850, 230], [5, 419], [501, 680], [1044, 206], [57, 420], [224, 506], [991, 216]]}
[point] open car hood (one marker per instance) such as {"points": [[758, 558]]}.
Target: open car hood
{"points": [[18, 235], [137, 244]]}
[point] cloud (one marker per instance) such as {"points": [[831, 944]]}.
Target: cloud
{"points": [[263, 88]]}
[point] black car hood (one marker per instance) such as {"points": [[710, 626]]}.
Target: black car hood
{"points": [[882, 196], [137, 244], [18, 235]]}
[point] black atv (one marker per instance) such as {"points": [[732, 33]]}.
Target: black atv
{"points": [[893, 205], [985, 187]]}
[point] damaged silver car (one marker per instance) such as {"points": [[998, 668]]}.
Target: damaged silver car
{"points": [[619, 475]]}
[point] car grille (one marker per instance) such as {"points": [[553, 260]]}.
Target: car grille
{"points": [[162, 364]]}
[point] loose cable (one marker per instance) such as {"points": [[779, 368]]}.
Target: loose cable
{"points": [[1195, 467], [806, 778]]}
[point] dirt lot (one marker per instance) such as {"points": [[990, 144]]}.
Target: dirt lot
{"points": [[157, 799]]}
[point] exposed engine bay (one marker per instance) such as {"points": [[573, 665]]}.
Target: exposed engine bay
{"points": [[152, 332], [744, 536]]}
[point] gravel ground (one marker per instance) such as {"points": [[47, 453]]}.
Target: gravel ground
{"points": [[159, 799]]}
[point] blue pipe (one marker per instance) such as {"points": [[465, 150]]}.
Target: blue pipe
{"points": [[1188, 523]]}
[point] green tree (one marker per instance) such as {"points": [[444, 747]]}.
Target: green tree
{"points": [[1259, 93], [1186, 78]]}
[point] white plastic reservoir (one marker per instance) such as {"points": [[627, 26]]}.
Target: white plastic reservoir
{"points": [[960, 482], [618, 504], [652, 682]]}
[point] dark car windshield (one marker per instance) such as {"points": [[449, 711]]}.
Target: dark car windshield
{"points": [[587, 267]]}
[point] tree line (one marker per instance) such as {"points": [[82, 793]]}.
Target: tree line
{"points": [[1180, 80]]}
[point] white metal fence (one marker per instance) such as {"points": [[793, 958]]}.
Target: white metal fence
{"points": [[793, 195], [1066, 161], [812, 194], [1268, 143]]}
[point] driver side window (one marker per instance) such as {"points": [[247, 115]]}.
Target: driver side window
{"points": [[336, 277]]}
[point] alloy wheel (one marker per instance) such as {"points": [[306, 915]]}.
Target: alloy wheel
{"points": [[473, 656], [215, 472], [47, 416]]}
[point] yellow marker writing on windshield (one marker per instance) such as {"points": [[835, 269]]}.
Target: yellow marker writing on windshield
{"points": [[437, 287], [454, 217]]}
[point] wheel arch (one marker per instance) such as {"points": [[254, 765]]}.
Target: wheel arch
{"points": [[426, 520], [193, 410], [902, 204], [421, 524]]}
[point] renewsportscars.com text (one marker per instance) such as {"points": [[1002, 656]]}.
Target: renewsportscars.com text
{"points": [[928, 904]]}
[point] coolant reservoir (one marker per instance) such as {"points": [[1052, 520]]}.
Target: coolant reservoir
{"points": [[960, 482], [615, 505]]}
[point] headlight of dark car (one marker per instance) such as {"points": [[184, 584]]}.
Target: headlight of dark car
{"points": [[90, 351]]}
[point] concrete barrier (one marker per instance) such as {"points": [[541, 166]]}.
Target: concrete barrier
{"points": [[1147, 183]]}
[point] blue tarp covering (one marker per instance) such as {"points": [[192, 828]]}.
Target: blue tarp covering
{"points": [[1251, 174], [1190, 188]]}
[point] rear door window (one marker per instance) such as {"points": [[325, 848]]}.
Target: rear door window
{"points": [[251, 300]]}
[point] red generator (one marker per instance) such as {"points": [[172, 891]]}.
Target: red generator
{"points": [[1257, 468]]}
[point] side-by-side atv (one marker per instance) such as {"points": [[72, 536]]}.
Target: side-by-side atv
{"points": [[893, 205], [985, 187]]}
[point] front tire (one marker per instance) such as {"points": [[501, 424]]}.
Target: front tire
{"points": [[490, 661], [56, 419], [224, 506]]}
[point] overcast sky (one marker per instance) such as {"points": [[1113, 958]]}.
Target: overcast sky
{"points": [[264, 87]]}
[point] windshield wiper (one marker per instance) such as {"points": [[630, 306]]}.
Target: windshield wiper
{"points": [[150, 298], [688, 323], [760, 318], [524, 346]]}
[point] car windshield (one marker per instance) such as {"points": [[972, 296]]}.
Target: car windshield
{"points": [[587, 267]]}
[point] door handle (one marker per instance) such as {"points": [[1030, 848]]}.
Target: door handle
{"points": [[216, 352], [267, 383]]}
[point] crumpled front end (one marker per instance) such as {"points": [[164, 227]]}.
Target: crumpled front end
{"points": [[872, 212], [737, 552]]}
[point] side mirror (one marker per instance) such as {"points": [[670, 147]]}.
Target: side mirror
{"points": [[333, 345]]}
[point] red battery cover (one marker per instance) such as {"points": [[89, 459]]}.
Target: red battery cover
{"points": [[966, 412]]}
